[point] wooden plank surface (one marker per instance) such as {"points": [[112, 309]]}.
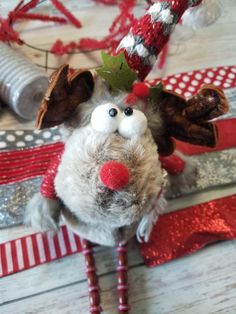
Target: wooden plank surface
{"points": [[200, 283], [203, 283]]}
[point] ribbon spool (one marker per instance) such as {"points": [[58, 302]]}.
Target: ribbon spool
{"points": [[22, 84]]}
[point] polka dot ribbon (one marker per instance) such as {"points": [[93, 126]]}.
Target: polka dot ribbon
{"points": [[19, 139], [188, 83]]}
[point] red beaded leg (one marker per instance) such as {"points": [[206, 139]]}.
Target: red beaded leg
{"points": [[93, 286], [122, 278]]}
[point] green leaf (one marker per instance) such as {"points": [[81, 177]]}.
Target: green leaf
{"points": [[116, 72], [155, 93]]}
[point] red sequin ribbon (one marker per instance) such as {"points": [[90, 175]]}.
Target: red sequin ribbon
{"points": [[186, 231]]}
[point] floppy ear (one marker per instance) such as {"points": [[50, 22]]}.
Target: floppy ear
{"points": [[63, 95], [188, 120]]}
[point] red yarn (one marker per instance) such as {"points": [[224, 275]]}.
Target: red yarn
{"points": [[114, 175], [60, 49], [40, 17], [118, 29], [21, 11], [60, 7], [140, 89]]}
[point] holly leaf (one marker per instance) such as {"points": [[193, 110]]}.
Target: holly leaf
{"points": [[116, 72], [155, 93]]}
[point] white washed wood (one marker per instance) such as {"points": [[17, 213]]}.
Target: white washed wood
{"points": [[201, 283], [66, 271]]}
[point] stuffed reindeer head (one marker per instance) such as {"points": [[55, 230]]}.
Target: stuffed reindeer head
{"points": [[108, 181]]}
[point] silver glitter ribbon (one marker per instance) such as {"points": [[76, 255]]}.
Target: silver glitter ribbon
{"points": [[230, 94], [15, 196], [22, 84], [13, 200], [212, 170]]}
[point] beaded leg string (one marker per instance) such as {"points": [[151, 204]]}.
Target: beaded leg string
{"points": [[93, 285], [122, 275]]}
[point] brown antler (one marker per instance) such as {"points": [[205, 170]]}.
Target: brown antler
{"points": [[63, 95], [188, 120]]}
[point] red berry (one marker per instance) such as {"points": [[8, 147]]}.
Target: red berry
{"points": [[140, 89], [173, 164]]}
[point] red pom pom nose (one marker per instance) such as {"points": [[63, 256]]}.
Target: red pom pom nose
{"points": [[114, 175]]}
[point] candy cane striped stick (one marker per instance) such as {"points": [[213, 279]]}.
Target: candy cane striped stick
{"points": [[150, 33], [122, 275], [93, 286]]}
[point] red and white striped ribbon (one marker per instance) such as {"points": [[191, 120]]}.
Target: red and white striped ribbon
{"points": [[19, 165], [36, 249]]}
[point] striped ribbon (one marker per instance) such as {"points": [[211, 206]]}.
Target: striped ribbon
{"points": [[24, 164], [36, 249]]}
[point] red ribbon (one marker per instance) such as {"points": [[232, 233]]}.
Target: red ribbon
{"points": [[186, 231], [227, 139]]}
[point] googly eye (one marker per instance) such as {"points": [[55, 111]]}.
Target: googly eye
{"points": [[128, 111], [105, 118], [134, 123], [113, 112]]}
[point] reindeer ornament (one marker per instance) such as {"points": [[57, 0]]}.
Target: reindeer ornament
{"points": [[108, 182]]}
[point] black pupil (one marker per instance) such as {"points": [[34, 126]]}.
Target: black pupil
{"points": [[128, 111], [113, 112]]}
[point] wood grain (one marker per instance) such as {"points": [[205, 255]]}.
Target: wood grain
{"points": [[200, 283]]}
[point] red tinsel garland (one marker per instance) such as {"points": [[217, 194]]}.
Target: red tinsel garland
{"points": [[107, 2], [118, 29], [60, 7], [21, 11]]}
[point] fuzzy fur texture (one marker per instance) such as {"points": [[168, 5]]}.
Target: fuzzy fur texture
{"points": [[78, 186], [94, 212], [43, 214]]}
